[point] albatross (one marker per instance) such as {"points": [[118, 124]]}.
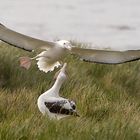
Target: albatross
{"points": [[52, 104], [53, 52]]}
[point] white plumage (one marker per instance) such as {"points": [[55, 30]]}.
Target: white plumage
{"points": [[52, 104], [49, 59], [44, 63], [55, 51]]}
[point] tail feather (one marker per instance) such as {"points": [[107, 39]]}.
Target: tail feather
{"points": [[46, 66]]}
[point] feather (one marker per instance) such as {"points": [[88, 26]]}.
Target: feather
{"points": [[106, 56], [45, 65], [23, 41]]}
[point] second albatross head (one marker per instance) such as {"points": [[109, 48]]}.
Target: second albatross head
{"points": [[61, 74]]}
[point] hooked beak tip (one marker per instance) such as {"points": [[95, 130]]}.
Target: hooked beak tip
{"points": [[64, 67], [69, 48]]}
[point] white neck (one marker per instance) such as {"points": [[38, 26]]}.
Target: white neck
{"points": [[54, 91]]}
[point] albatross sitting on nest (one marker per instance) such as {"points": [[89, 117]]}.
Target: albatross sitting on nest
{"points": [[52, 104], [54, 51]]}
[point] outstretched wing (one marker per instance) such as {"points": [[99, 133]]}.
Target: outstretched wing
{"points": [[106, 56], [58, 107], [22, 41]]}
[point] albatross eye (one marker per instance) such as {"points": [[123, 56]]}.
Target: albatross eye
{"points": [[64, 43]]}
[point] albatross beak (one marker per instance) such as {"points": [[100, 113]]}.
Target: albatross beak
{"points": [[69, 47], [63, 69]]}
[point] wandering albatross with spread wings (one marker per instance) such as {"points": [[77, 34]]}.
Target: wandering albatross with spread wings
{"points": [[54, 51], [51, 104]]}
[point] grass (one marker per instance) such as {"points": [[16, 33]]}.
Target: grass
{"points": [[107, 97]]}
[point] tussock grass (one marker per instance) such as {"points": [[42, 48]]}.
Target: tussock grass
{"points": [[107, 97]]}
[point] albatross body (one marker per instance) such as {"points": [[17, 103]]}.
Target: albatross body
{"points": [[50, 58], [55, 51], [52, 104]]}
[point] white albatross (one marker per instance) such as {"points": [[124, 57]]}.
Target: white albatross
{"points": [[52, 104], [55, 51]]}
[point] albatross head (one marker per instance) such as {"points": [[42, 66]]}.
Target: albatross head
{"points": [[61, 74], [64, 44]]}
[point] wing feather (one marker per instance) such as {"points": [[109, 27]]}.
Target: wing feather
{"points": [[22, 41], [106, 56], [58, 107]]}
